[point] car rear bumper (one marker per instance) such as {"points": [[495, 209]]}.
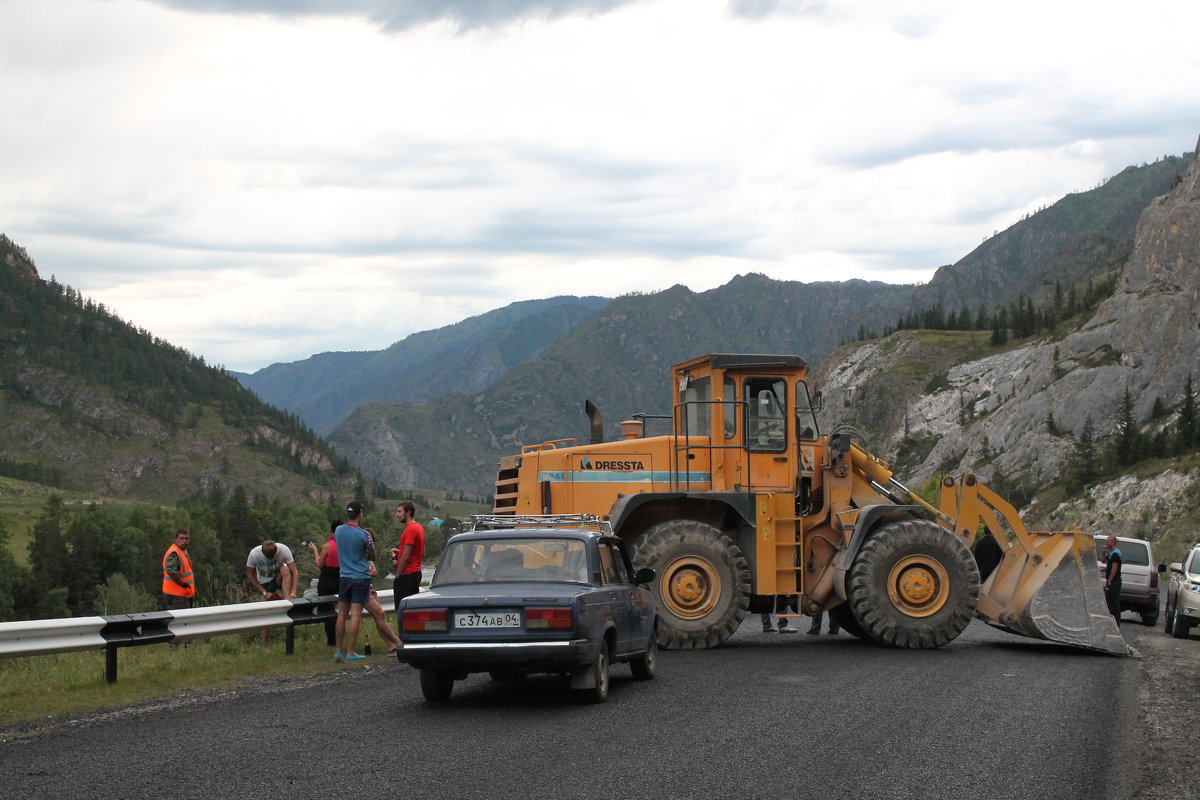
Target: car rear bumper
{"points": [[550, 656], [1140, 602]]}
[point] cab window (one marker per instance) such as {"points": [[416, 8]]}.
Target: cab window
{"points": [[697, 411], [766, 422], [730, 407], [806, 418]]}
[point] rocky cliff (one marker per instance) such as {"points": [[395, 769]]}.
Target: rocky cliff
{"points": [[1017, 413]]}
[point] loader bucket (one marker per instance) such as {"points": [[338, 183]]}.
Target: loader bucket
{"points": [[1048, 586]]}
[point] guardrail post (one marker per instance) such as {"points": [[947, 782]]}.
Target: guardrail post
{"points": [[290, 640], [110, 663]]}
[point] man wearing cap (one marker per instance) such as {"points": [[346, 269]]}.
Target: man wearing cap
{"points": [[270, 569], [356, 551]]}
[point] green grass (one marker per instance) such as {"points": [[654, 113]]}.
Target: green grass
{"points": [[69, 683]]}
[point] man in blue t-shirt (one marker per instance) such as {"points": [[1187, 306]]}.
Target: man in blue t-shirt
{"points": [[1112, 577], [356, 551]]}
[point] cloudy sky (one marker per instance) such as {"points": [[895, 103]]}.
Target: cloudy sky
{"points": [[261, 180]]}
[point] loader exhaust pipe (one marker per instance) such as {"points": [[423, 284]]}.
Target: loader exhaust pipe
{"points": [[597, 420]]}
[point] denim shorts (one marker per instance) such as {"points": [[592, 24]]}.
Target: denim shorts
{"points": [[354, 590]]}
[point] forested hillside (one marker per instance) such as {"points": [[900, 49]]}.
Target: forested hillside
{"points": [[94, 403]]}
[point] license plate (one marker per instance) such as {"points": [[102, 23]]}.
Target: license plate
{"points": [[488, 619]]}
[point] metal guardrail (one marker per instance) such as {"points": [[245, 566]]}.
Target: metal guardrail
{"points": [[76, 634]]}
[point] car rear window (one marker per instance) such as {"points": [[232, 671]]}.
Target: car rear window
{"points": [[512, 559], [1135, 553]]}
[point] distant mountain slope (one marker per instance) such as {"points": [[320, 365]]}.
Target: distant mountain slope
{"points": [[1081, 236], [464, 357], [620, 356], [92, 403]]}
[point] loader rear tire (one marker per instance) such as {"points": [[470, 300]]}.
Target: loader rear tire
{"points": [[913, 585], [702, 585]]}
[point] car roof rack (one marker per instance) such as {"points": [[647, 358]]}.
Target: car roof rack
{"points": [[502, 521]]}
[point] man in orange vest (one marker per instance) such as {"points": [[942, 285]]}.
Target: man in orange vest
{"points": [[179, 582]]}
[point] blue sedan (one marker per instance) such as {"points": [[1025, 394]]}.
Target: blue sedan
{"points": [[529, 594]]}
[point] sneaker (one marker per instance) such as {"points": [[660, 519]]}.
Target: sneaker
{"points": [[813, 631], [789, 629], [768, 629], [353, 656], [337, 656]]}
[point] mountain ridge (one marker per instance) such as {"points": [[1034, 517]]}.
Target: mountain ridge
{"points": [[619, 356]]}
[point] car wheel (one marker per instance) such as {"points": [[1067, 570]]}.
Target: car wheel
{"points": [[1179, 628], [598, 692], [702, 585], [436, 686], [1150, 618], [646, 665], [913, 585], [1170, 618]]}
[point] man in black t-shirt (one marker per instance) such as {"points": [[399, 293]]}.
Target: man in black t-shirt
{"points": [[1112, 577]]}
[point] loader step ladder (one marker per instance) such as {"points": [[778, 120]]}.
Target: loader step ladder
{"points": [[780, 568]]}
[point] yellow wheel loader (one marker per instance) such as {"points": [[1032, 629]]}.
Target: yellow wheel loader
{"points": [[742, 499]]}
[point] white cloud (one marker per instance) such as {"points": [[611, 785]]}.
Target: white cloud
{"points": [[234, 180]]}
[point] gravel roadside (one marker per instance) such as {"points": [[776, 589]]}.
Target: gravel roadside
{"points": [[1157, 700]]}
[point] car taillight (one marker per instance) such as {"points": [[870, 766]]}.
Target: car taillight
{"points": [[1153, 580], [548, 618], [420, 620]]}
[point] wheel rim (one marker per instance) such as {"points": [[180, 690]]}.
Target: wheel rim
{"points": [[918, 586], [692, 587], [602, 672]]}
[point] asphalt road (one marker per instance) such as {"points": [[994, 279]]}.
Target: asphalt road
{"points": [[989, 716]]}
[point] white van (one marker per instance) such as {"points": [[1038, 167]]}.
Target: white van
{"points": [[1139, 579]]}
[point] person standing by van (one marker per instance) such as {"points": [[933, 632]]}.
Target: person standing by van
{"points": [[1112, 577]]}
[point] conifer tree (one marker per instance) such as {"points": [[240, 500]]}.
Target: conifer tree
{"points": [[1084, 470], [1186, 437], [1127, 442], [48, 551]]}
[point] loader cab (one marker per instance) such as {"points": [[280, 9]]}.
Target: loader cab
{"points": [[746, 416]]}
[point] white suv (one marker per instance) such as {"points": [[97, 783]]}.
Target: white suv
{"points": [[1139, 580], [1183, 595]]}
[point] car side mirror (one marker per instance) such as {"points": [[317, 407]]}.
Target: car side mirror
{"points": [[645, 576], [1162, 567]]}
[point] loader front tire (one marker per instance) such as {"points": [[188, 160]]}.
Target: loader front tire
{"points": [[913, 585], [702, 585]]}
